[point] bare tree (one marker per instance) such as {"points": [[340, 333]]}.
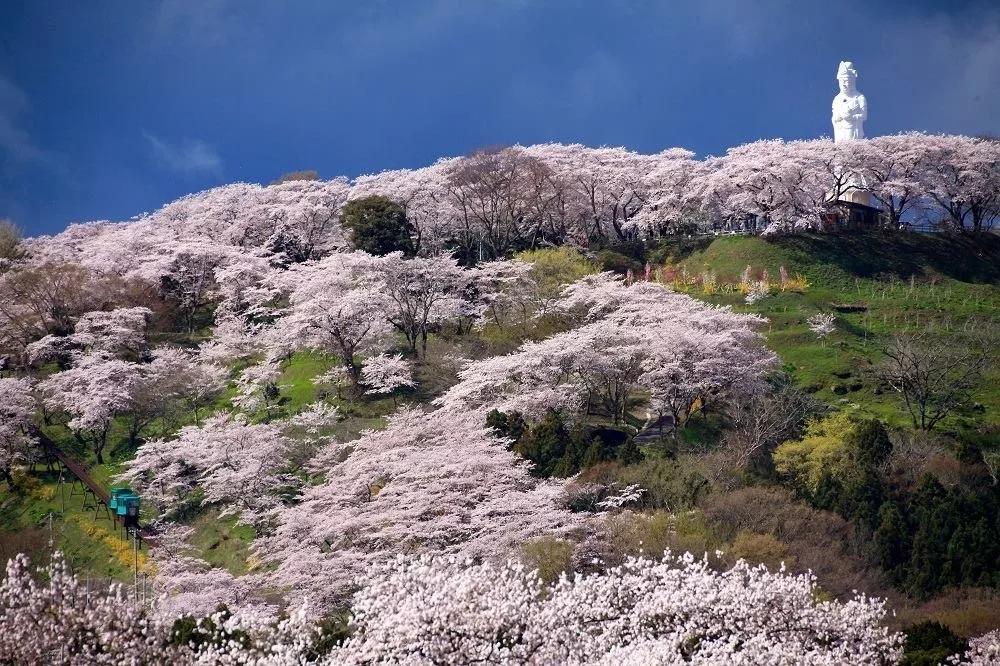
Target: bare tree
{"points": [[932, 379], [307, 174], [762, 415], [498, 192], [10, 243]]}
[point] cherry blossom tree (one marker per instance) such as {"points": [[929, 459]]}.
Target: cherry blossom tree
{"points": [[92, 393], [237, 465], [190, 280], [53, 617], [429, 482], [822, 324], [176, 376], [247, 290], [257, 388], [502, 194], [962, 176], [505, 293], [418, 293], [782, 184], [384, 375], [186, 585], [642, 337], [42, 299], [666, 189], [677, 610], [17, 410], [891, 166], [248, 305], [116, 333], [195, 383], [983, 651], [605, 186], [335, 306], [304, 218]]}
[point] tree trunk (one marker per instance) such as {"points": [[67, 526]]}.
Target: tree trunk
{"points": [[354, 372], [5, 473], [99, 443], [133, 432]]}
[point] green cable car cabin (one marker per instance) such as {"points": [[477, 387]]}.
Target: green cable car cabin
{"points": [[124, 504]]}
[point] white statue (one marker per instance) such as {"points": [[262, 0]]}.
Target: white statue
{"points": [[850, 109]]}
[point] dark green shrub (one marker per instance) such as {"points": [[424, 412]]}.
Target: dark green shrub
{"points": [[930, 643], [378, 226]]}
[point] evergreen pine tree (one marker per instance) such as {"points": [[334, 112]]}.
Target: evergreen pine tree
{"points": [[593, 455], [545, 444], [870, 444], [829, 493], [892, 541], [630, 454]]}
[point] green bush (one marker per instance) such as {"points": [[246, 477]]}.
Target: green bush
{"points": [[550, 556], [822, 450], [760, 549], [650, 534], [554, 268], [610, 260], [930, 643], [675, 485], [378, 226], [555, 448]]}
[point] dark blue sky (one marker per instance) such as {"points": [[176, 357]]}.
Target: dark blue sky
{"points": [[109, 109]]}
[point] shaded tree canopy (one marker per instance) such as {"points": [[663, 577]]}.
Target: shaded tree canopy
{"points": [[378, 226]]}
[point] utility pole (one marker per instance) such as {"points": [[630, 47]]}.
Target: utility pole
{"points": [[62, 492], [135, 559]]}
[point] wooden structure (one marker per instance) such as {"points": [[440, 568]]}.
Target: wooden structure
{"points": [[94, 495], [851, 216]]}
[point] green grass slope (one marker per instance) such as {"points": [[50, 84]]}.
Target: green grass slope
{"points": [[92, 544], [945, 286]]}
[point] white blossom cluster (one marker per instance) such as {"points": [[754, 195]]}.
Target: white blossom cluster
{"points": [[17, 409], [627, 495], [983, 651], [235, 464], [640, 337], [62, 621], [822, 324], [437, 482], [673, 611], [758, 291], [492, 201]]}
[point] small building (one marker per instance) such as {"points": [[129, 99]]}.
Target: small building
{"points": [[851, 216]]}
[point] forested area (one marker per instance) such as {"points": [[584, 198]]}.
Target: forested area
{"points": [[505, 409]]}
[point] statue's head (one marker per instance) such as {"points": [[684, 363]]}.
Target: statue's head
{"points": [[847, 76]]}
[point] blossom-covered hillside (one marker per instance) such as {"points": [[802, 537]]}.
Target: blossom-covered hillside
{"points": [[494, 410]]}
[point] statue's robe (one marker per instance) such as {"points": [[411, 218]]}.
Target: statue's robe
{"points": [[849, 116]]}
